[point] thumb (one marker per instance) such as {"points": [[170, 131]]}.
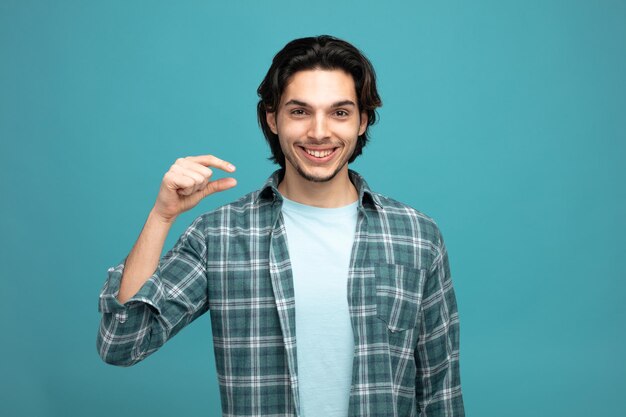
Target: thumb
{"points": [[218, 185]]}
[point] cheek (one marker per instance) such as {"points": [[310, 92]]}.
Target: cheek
{"points": [[292, 130], [349, 131]]}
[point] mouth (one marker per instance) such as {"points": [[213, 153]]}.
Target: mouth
{"points": [[318, 155]]}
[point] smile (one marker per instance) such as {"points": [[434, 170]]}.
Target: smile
{"points": [[319, 154]]}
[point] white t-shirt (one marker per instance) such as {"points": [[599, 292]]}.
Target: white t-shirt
{"points": [[320, 244]]}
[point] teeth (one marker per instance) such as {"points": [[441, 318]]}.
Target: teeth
{"points": [[319, 154]]}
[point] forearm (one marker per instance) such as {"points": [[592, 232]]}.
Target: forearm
{"points": [[437, 352], [144, 257], [126, 341], [131, 331], [438, 384]]}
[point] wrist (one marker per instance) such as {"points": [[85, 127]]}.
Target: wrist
{"points": [[157, 217]]}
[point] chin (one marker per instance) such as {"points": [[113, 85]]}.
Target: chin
{"points": [[322, 177]]}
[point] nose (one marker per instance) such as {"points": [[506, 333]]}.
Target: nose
{"points": [[319, 127]]}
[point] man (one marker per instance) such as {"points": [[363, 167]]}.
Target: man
{"points": [[326, 298]]}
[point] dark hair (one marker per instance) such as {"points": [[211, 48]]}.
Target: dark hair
{"points": [[320, 52]]}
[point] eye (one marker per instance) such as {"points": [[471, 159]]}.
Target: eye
{"points": [[297, 112], [342, 113]]}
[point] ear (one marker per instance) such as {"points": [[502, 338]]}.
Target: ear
{"points": [[363, 125], [270, 118]]}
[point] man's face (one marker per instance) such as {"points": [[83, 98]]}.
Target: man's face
{"points": [[318, 123]]}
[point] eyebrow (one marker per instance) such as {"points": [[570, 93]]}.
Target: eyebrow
{"points": [[341, 103]]}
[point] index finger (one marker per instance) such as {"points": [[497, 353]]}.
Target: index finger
{"points": [[212, 161]]}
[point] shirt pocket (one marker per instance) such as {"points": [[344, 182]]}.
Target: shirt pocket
{"points": [[399, 295]]}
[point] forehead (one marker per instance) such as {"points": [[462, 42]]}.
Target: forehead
{"points": [[319, 87]]}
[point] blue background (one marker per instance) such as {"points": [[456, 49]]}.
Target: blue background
{"points": [[505, 121]]}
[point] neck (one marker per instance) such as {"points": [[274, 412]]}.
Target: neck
{"points": [[337, 192]]}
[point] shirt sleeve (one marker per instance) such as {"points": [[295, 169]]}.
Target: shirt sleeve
{"points": [[438, 383], [174, 296]]}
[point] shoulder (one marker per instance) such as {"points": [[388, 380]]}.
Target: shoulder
{"points": [[395, 219], [242, 211], [404, 219]]}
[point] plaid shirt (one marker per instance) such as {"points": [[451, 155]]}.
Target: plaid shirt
{"points": [[234, 263]]}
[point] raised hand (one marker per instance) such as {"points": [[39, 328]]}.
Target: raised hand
{"points": [[187, 182]]}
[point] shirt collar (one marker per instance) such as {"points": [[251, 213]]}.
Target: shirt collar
{"points": [[367, 198]]}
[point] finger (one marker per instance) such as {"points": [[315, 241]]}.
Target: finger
{"points": [[189, 189], [178, 182], [195, 166], [199, 180], [212, 161], [219, 185]]}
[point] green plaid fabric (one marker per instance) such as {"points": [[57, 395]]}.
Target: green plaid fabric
{"points": [[233, 262]]}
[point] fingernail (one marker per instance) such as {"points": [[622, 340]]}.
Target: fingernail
{"points": [[231, 167]]}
